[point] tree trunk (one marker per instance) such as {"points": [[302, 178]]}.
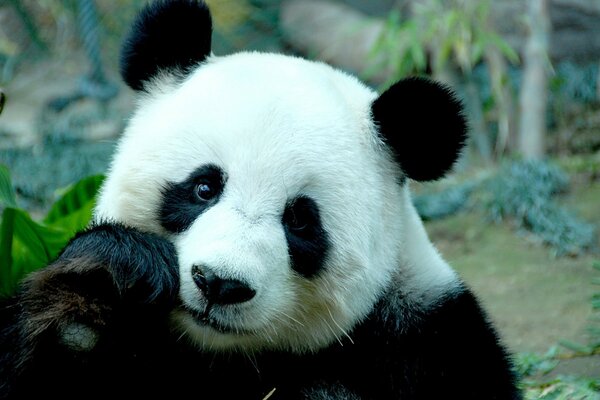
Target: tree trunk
{"points": [[480, 135], [505, 104], [533, 97]]}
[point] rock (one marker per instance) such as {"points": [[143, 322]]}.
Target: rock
{"points": [[330, 31]]}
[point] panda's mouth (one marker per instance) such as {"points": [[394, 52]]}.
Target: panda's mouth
{"points": [[205, 319], [217, 325]]}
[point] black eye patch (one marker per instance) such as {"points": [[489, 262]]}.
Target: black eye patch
{"points": [[307, 240], [183, 202]]}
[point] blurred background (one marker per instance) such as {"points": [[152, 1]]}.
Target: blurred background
{"points": [[519, 219]]}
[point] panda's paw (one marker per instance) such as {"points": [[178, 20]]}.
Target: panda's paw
{"points": [[59, 304], [108, 275], [142, 266]]}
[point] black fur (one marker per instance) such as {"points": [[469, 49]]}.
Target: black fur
{"points": [[116, 280], [422, 121], [307, 239], [398, 352], [168, 35], [181, 206], [142, 265]]}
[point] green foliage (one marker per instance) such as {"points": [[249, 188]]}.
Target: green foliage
{"points": [[409, 52], [529, 364], [25, 244], [582, 164], [522, 191], [575, 82], [593, 347], [447, 202], [455, 31], [74, 208], [532, 368], [7, 195], [460, 30], [565, 388]]}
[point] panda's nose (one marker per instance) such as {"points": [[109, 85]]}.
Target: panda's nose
{"points": [[218, 290]]}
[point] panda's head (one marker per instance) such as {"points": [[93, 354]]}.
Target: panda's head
{"points": [[281, 182]]}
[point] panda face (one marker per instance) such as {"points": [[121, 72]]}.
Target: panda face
{"points": [[268, 175], [279, 180]]}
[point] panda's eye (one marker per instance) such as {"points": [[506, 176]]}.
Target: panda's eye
{"points": [[205, 191], [299, 215], [294, 220]]}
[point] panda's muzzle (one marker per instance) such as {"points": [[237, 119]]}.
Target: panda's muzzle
{"points": [[218, 290]]}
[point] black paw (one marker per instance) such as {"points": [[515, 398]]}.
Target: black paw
{"points": [[143, 266]]}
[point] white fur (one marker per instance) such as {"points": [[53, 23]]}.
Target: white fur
{"points": [[279, 127]]}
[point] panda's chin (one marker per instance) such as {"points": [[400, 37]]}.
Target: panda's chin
{"points": [[213, 335]]}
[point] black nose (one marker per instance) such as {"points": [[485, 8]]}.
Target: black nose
{"points": [[220, 291]]}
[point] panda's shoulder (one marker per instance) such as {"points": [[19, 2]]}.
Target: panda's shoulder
{"points": [[451, 312]]}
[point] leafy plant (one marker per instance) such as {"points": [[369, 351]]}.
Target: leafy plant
{"points": [[593, 347], [529, 364], [531, 367], [456, 30], [564, 388], [432, 206], [409, 50], [26, 244], [523, 191]]}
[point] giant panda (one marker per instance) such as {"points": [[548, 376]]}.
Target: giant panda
{"points": [[255, 238]]}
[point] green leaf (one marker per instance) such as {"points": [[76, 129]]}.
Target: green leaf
{"points": [[417, 52], [477, 49], [504, 47], [443, 55], [7, 193], [73, 211], [44, 242], [576, 347], [25, 246], [7, 283]]}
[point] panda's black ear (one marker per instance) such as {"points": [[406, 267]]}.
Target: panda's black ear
{"points": [[423, 122], [167, 35]]}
